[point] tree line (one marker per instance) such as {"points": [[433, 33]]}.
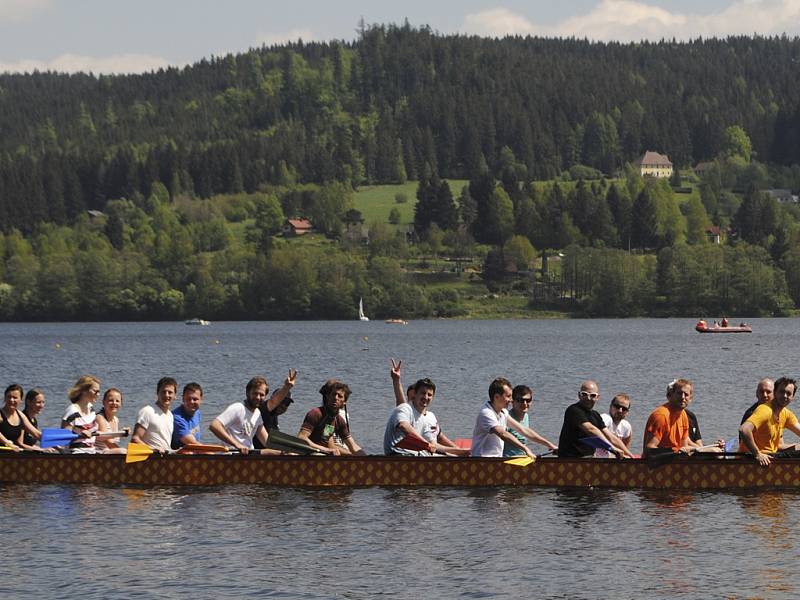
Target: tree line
{"points": [[384, 108]]}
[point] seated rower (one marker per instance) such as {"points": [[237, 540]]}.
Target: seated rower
{"points": [[762, 432], [13, 423], [668, 425], [240, 422], [108, 422], [187, 417], [580, 421], [430, 430], [615, 420], [321, 423], [490, 435], [34, 405], [155, 424], [522, 400], [80, 417], [270, 417]]}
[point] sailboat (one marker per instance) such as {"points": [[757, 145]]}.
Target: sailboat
{"points": [[361, 315]]}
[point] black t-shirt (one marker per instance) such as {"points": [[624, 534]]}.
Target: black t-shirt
{"points": [[270, 422], [694, 428], [750, 411], [571, 432]]}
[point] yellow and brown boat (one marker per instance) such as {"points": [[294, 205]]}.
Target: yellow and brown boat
{"points": [[692, 473]]}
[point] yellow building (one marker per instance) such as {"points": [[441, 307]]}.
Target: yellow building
{"points": [[653, 164]]}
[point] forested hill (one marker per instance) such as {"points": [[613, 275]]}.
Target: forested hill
{"points": [[378, 109]]}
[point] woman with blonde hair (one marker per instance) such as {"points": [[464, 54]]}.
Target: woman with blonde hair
{"points": [[80, 417]]}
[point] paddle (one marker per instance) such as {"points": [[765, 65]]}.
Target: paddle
{"points": [[62, 437], [524, 461], [657, 457], [204, 449], [277, 440], [138, 452], [414, 443], [598, 443]]}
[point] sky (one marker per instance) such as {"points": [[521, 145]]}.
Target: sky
{"points": [[134, 36]]}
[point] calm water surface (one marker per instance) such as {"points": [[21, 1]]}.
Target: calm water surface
{"points": [[244, 541]]}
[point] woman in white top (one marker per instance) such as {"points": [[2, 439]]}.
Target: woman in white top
{"points": [[80, 417], [108, 421]]}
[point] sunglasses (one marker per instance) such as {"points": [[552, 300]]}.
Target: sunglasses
{"points": [[620, 407], [525, 400], [589, 395]]}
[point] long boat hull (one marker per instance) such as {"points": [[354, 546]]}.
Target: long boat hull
{"points": [[297, 471]]}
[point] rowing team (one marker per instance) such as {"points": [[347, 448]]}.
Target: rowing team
{"points": [[501, 428]]}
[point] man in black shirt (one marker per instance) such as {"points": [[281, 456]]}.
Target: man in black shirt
{"points": [[580, 421]]}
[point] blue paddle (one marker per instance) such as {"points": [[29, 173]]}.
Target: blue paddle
{"points": [[57, 437], [62, 437], [598, 443]]}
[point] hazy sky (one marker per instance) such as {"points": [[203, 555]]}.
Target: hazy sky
{"points": [[106, 36]]}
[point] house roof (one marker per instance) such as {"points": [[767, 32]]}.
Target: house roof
{"points": [[300, 223], [703, 166], [651, 158]]}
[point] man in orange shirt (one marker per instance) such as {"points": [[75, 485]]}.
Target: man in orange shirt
{"points": [[668, 425]]}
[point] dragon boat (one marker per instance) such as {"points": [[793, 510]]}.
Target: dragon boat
{"points": [[690, 473]]}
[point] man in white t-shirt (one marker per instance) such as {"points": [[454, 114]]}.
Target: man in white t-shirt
{"points": [[241, 421], [490, 434], [616, 422], [154, 424], [430, 429]]}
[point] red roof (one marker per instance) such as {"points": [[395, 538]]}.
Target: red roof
{"points": [[300, 223], [653, 159]]}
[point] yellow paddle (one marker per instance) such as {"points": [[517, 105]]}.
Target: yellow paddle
{"points": [[520, 461], [137, 452]]}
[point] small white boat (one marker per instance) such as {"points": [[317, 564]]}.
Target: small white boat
{"points": [[361, 315], [397, 321], [197, 321]]}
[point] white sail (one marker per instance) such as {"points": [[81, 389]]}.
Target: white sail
{"points": [[361, 315]]}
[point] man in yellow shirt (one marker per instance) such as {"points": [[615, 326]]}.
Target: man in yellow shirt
{"points": [[763, 430]]}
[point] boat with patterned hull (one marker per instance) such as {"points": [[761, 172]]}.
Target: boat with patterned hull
{"points": [[693, 473]]}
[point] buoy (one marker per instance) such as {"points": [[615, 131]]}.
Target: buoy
{"points": [[58, 346], [365, 338], [216, 341]]}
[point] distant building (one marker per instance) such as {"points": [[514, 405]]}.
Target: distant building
{"points": [[297, 227], [653, 164], [703, 167], [96, 214], [783, 196], [714, 234]]}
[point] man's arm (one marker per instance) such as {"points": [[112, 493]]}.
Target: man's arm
{"points": [[278, 396], [407, 429], [591, 430], [399, 394], [138, 431], [218, 429], [510, 439], [746, 434], [305, 434], [531, 434]]}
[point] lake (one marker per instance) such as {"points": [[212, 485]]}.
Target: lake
{"points": [[544, 543]]}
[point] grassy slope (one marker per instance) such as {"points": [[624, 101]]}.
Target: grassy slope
{"points": [[375, 201]]}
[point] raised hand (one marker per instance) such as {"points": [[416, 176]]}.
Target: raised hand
{"points": [[396, 367], [291, 378]]}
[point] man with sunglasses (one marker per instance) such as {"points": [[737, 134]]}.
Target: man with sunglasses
{"points": [[615, 420], [521, 402], [581, 421]]}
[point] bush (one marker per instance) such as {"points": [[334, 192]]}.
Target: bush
{"points": [[400, 198], [394, 216]]}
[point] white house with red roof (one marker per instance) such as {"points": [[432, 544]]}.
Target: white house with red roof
{"points": [[653, 164]]}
